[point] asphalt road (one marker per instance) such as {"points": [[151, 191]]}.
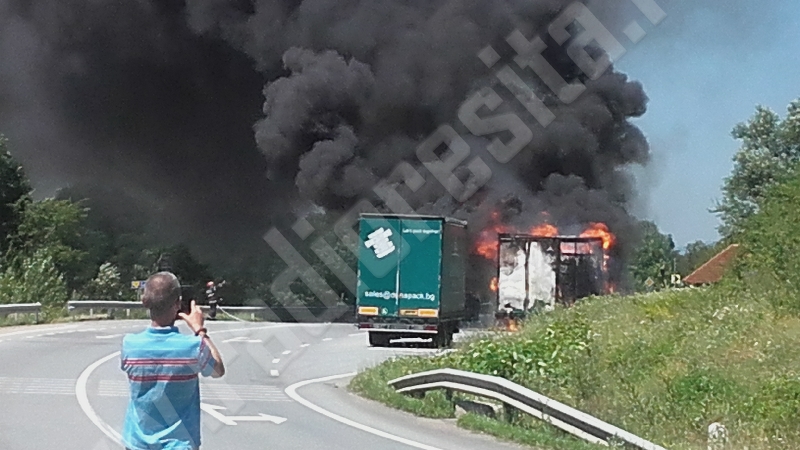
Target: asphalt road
{"points": [[61, 388]]}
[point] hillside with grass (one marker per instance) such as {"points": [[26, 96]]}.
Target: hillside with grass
{"points": [[661, 365]]}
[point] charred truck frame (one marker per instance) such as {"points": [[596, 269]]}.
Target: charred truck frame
{"points": [[542, 271]]}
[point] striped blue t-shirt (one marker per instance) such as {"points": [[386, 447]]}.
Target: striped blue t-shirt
{"points": [[164, 410]]}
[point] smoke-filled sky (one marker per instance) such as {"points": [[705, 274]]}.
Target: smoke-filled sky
{"points": [[226, 115]]}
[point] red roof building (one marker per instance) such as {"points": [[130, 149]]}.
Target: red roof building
{"points": [[713, 269]]}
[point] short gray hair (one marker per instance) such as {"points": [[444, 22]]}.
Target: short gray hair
{"points": [[161, 291]]}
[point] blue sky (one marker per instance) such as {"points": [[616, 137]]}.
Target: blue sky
{"points": [[705, 70]]}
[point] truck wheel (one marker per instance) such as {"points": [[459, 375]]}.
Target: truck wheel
{"points": [[379, 339], [443, 338]]}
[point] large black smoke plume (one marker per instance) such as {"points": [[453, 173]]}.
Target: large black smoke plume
{"points": [[223, 112]]}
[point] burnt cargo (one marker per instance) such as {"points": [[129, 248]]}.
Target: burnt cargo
{"points": [[541, 271]]}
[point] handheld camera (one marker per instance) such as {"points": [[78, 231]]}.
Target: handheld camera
{"points": [[187, 295]]}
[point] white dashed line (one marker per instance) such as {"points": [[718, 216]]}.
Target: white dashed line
{"points": [[327, 339], [304, 345], [109, 336], [274, 372], [286, 352], [31, 337], [276, 361]]}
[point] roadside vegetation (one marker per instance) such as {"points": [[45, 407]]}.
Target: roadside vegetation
{"points": [[664, 365], [89, 242]]}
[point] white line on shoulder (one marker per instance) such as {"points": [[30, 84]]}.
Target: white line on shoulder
{"points": [[291, 391], [83, 379], [83, 399]]}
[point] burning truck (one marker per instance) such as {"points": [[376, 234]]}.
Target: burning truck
{"points": [[541, 268]]}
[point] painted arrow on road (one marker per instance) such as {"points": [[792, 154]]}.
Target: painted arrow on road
{"points": [[214, 411]]}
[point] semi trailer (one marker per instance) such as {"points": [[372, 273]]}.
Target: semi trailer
{"points": [[411, 271]]}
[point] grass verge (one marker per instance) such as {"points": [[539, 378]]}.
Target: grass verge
{"points": [[662, 366]]}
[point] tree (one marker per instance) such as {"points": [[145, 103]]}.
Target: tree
{"points": [[14, 193], [769, 260], [186, 267], [55, 228], [654, 257], [107, 285], [35, 279], [769, 153]]}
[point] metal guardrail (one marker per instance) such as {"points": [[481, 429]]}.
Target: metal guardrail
{"points": [[20, 308], [102, 304], [16, 308], [276, 313], [516, 397], [108, 305]]}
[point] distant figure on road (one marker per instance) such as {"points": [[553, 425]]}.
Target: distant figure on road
{"points": [[163, 367]]}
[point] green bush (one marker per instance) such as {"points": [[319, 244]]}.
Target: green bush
{"points": [[107, 285], [770, 256], [35, 279]]}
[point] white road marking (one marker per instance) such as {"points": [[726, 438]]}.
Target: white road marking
{"points": [[214, 411], [48, 386], [209, 391], [405, 350], [327, 339], [274, 373], [108, 336], [83, 399], [31, 337], [304, 345], [276, 361], [244, 339], [291, 391], [286, 352], [37, 330]]}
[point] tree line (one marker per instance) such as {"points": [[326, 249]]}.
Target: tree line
{"points": [[768, 157], [90, 242]]}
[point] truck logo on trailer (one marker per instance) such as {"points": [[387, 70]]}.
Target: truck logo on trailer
{"points": [[380, 243]]}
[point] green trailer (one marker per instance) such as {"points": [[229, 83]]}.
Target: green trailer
{"points": [[411, 277]]}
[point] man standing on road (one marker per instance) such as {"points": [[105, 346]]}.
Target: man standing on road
{"points": [[163, 367]]}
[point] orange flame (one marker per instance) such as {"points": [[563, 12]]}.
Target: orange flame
{"points": [[487, 245], [601, 230], [544, 229]]}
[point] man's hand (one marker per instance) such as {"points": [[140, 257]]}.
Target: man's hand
{"points": [[195, 319]]}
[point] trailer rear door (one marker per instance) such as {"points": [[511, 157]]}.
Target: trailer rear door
{"points": [[380, 251], [420, 268]]}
